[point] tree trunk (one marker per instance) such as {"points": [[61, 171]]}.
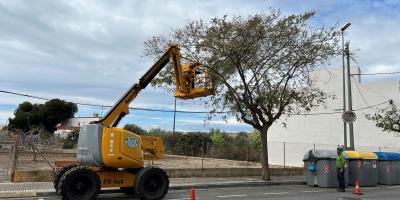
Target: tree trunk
{"points": [[264, 154], [34, 155]]}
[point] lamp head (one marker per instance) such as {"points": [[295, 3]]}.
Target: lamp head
{"points": [[345, 27]]}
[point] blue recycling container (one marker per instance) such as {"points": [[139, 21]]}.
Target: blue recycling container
{"points": [[388, 168]]}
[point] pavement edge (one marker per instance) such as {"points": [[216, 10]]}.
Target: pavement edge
{"points": [[202, 186]]}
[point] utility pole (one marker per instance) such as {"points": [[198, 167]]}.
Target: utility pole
{"points": [[344, 84], [15, 155], [350, 100], [173, 128]]}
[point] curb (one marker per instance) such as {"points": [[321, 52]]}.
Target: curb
{"points": [[172, 187], [18, 194], [235, 184]]}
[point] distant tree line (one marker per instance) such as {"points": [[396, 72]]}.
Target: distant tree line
{"points": [[213, 144]]}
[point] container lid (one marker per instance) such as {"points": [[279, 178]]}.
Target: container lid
{"points": [[365, 155], [321, 154], [388, 155]]}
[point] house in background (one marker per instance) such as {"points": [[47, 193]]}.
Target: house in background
{"points": [[74, 124]]}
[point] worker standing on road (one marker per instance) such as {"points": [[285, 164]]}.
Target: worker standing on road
{"points": [[340, 163]]}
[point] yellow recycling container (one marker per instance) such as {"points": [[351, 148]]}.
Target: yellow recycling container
{"points": [[365, 155], [363, 167]]}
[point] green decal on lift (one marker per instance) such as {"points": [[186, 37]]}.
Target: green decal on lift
{"points": [[131, 141]]}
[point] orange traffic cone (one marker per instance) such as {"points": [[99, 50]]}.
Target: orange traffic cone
{"points": [[357, 190], [192, 195]]}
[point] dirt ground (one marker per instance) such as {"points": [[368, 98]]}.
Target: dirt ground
{"points": [[173, 161]]}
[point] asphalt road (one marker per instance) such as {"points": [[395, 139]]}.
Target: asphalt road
{"points": [[267, 192]]}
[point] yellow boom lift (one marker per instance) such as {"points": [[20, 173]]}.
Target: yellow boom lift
{"points": [[108, 156]]}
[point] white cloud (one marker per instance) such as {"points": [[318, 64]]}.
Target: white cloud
{"points": [[91, 51], [4, 115]]}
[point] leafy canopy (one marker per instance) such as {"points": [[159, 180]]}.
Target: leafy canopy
{"points": [[387, 118], [259, 65], [48, 115]]}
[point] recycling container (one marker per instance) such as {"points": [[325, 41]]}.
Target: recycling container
{"points": [[320, 168], [388, 168], [363, 167]]}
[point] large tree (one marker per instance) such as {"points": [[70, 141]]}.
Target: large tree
{"points": [[259, 65], [47, 115], [388, 118]]}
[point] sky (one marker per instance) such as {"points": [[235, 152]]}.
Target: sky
{"points": [[92, 51]]}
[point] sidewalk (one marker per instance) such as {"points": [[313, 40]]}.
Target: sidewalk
{"points": [[46, 188]]}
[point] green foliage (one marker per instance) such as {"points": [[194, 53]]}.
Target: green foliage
{"points": [[217, 137], [156, 132], [190, 144], [388, 119], [258, 65], [47, 115], [71, 141], [234, 146], [135, 129], [55, 111], [25, 115], [255, 138]]}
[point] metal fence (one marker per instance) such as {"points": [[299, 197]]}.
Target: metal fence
{"points": [[6, 149], [188, 154], [19, 151]]}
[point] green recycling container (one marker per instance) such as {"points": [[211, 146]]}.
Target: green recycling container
{"points": [[320, 168]]}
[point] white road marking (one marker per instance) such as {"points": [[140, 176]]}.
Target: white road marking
{"points": [[182, 199], [371, 188], [204, 190], [392, 187], [234, 195], [312, 191], [276, 193]]}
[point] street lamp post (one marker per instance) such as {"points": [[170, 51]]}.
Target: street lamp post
{"points": [[344, 83]]}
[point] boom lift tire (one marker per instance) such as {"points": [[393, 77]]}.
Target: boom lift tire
{"points": [[59, 173], [130, 190], [151, 183], [79, 183]]}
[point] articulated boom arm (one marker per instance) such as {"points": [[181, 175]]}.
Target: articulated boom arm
{"points": [[185, 85]]}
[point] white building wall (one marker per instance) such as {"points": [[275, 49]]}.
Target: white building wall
{"points": [[80, 121], [74, 122], [326, 131]]}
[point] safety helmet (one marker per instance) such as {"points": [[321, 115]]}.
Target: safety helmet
{"points": [[340, 148]]}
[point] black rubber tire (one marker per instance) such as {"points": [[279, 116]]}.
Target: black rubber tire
{"points": [[151, 183], [79, 183], [58, 175], [128, 190]]}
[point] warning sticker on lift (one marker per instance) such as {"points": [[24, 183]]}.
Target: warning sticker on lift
{"points": [[374, 163]]}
